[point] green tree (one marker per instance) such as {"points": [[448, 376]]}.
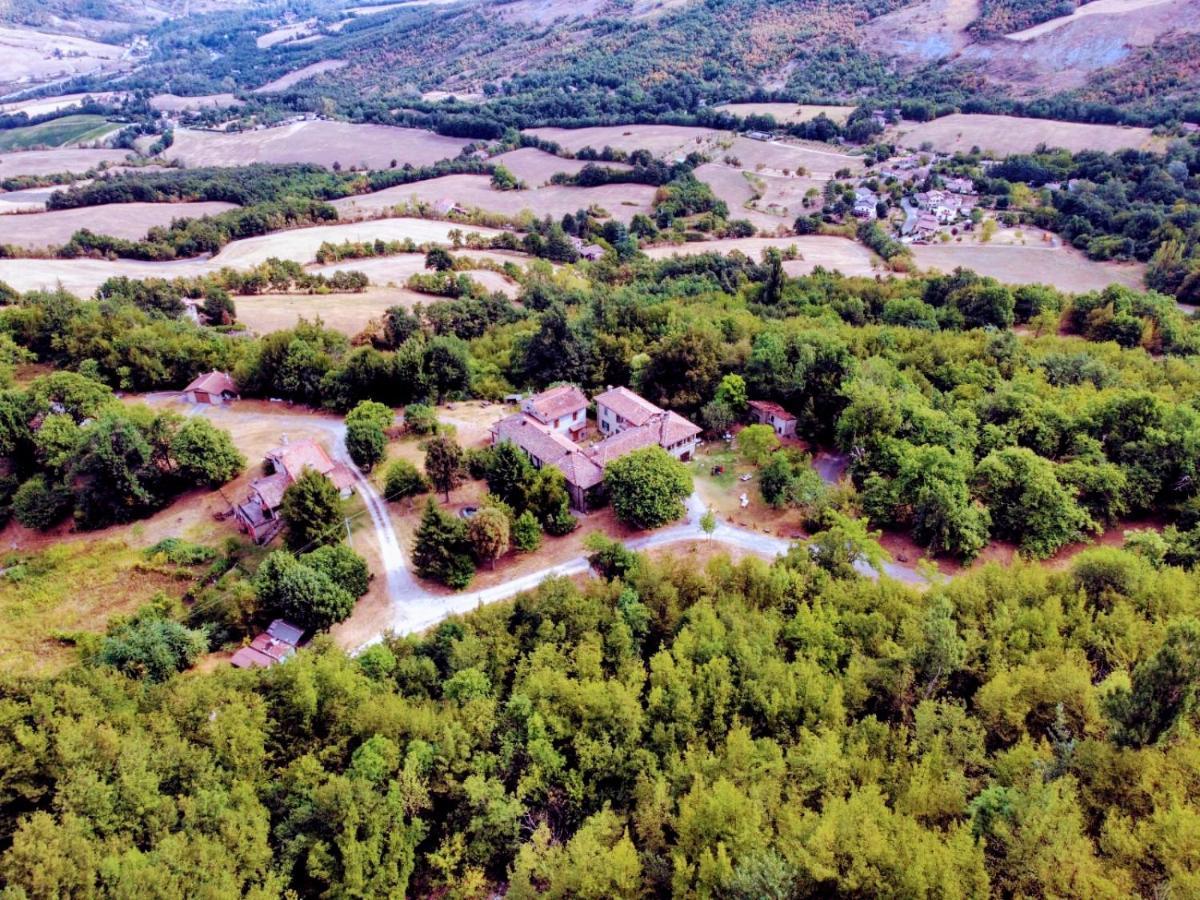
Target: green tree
{"points": [[788, 479], [1027, 502], [366, 440], [312, 511], [504, 180], [204, 454], [438, 259], [846, 543], [303, 594], [341, 565], [402, 479], [1165, 689], [151, 647], [527, 532], [647, 487], [444, 463], [441, 550], [756, 443], [732, 392], [488, 533], [549, 501], [40, 503], [510, 474], [420, 418], [708, 523]]}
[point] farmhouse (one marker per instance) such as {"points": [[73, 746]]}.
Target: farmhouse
{"points": [[259, 516], [273, 646], [628, 422], [766, 412], [213, 387]]}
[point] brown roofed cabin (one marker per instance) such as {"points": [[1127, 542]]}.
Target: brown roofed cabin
{"points": [[273, 646], [766, 412], [212, 387], [258, 516]]}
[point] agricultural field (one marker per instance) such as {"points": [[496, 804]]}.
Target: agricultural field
{"points": [[777, 200], [394, 271], [320, 142], [42, 105], [49, 162], [26, 201], [175, 103], [347, 313], [621, 201], [66, 131], [130, 221], [30, 57], [785, 157], [788, 113], [535, 167], [665, 141], [1004, 135], [293, 78], [1061, 267], [833, 253]]}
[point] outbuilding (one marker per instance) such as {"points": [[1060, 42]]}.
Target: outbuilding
{"points": [[765, 412], [213, 387]]}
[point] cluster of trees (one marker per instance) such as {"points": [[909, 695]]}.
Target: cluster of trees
{"points": [[1128, 205], [68, 446], [739, 730], [1000, 17]]}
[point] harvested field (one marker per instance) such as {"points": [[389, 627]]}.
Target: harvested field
{"points": [[1004, 135], [285, 34], [83, 276], [621, 201], [34, 57], [175, 103], [50, 162], [834, 253], [130, 221], [394, 271], [320, 142], [31, 200], [788, 113], [1062, 267], [293, 78], [665, 141], [43, 105], [347, 313], [535, 167], [780, 202], [778, 157], [301, 244]]}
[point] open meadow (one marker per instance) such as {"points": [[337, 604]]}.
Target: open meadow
{"points": [[29, 57], [293, 78], [320, 142], [1004, 135], [130, 221], [768, 201], [175, 103], [65, 131], [535, 166]]}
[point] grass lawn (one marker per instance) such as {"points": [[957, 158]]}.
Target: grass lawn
{"points": [[59, 132]]}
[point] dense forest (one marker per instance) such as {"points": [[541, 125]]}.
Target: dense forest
{"points": [[736, 730]]}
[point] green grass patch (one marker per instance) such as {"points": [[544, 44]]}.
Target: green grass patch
{"points": [[61, 132]]}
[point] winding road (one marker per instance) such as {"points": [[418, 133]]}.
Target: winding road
{"points": [[415, 608]]}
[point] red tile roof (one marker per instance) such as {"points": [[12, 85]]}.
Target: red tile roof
{"points": [[564, 400], [773, 409], [628, 405], [213, 383]]}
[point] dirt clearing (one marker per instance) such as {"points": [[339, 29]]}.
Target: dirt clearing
{"points": [[1094, 8], [129, 221], [320, 142], [1004, 135], [621, 201], [1061, 267]]}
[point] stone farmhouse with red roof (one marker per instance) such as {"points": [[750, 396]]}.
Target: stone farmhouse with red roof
{"points": [[258, 515], [550, 424]]}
